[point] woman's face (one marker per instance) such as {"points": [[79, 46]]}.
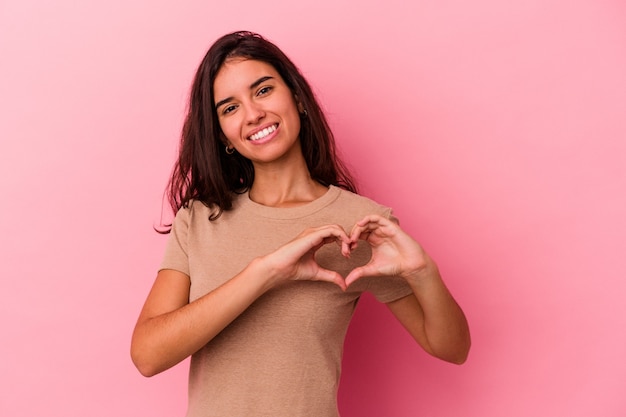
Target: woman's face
{"points": [[256, 110]]}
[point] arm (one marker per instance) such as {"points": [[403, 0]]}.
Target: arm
{"points": [[169, 328], [430, 314], [434, 319]]}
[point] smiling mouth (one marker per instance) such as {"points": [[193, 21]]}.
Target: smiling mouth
{"points": [[263, 133]]}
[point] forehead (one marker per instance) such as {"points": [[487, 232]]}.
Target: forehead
{"points": [[237, 74]]}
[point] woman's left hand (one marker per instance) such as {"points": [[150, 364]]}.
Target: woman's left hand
{"points": [[431, 315], [394, 252]]}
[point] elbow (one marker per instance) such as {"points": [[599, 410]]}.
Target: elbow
{"points": [[456, 355], [146, 370], [143, 367], [460, 358], [143, 363], [456, 358], [149, 357], [459, 354], [462, 351]]}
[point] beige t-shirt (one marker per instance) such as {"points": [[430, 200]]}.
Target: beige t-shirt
{"points": [[282, 356]]}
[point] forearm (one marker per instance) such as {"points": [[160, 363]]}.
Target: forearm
{"points": [[162, 341], [444, 324], [170, 328]]}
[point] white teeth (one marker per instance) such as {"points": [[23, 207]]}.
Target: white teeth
{"points": [[263, 133]]}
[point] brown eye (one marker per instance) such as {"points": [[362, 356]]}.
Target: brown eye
{"points": [[229, 109], [264, 90]]}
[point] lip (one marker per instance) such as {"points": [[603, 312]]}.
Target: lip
{"points": [[260, 128]]}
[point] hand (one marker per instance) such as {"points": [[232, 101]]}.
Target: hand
{"points": [[394, 253], [296, 259]]}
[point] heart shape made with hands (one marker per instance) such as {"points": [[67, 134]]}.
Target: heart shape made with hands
{"points": [[382, 235], [394, 252]]}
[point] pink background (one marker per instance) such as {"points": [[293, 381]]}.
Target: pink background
{"points": [[495, 129]]}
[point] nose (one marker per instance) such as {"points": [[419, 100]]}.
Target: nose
{"points": [[254, 113]]}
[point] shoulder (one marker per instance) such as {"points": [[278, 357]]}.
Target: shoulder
{"points": [[360, 205], [193, 212]]}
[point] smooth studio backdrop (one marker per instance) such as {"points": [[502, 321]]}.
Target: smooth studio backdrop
{"points": [[496, 130]]}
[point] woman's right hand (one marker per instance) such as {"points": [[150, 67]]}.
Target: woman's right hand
{"points": [[170, 328], [296, 259]]}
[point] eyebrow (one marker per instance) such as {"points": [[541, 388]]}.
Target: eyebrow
{"points": [[252, 86]]}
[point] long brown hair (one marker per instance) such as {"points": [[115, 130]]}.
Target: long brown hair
{"points": [[204, 171]]}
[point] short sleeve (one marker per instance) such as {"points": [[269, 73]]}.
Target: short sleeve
{"points": [[388, 289], [176, 250]]}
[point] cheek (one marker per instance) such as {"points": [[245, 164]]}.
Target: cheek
{"points": [[296, 124], [291, 113], [229, 129], [295, 121]]}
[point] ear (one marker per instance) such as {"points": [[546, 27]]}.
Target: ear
{"points": [[299, 104], [223, 139]]}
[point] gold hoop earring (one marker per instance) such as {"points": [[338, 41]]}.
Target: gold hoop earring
{"points": [[230, 150]]}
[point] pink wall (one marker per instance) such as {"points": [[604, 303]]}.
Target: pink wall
{"points": [[496, 129]]}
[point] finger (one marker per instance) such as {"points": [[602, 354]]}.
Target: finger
{"points": [[370, 269], [346, 249], [319, 237], [365, 227], [359, 232], [330, 276], [373, 219], [355, 274], [369, 222], [336, 232], [344, 245]]}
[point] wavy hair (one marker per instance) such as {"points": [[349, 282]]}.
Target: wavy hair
{"points": [[203, 170]]}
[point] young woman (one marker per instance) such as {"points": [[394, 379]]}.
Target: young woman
{"points": [[271, 248]]}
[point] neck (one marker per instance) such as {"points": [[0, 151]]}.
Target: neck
{"points": [[291, 186]]}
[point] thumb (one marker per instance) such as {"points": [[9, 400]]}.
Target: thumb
{"points": [[330, 276], [357, 273]]}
